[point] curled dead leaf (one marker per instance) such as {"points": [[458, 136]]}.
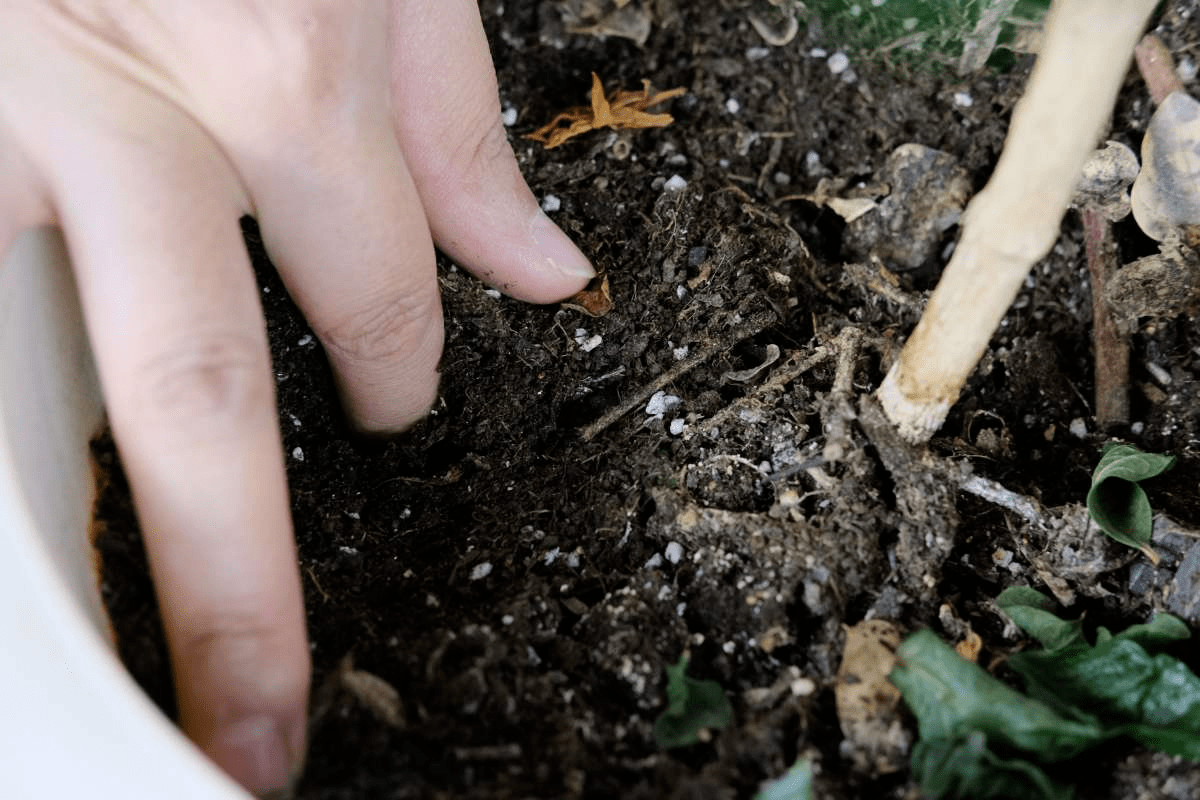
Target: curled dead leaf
{"points": [[620, 109], [1166, 194], [595, 300], [868, 704], [969, 647]]}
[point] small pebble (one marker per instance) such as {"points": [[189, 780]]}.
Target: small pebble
{"points": [[298, 454], [551, 203], [587, 343], [305, 340], [675, 183], [963, 100], [654, 562], [1079, 428], [1186, 70], [818, 52], [1158, 373], [674, 552], [493, 293], [838, 62], [680, 353], [481, 570], [660, 403], [509, 116], [757, 53], [733, 106], [1137, 428], [677, 425]]}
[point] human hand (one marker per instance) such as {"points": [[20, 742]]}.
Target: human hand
{"points": [[354, 132]]}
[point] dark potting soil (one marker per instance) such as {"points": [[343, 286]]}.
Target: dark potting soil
{"points": [[520, 567]]}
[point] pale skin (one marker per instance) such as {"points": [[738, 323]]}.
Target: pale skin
{"points": [[359, 134]]}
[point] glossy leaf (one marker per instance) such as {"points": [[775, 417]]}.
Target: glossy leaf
{"points": [[1116, 500]]}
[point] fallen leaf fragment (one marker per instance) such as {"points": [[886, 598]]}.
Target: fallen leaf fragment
{"points": [[1166, 195], [969, 647], [595, 299], [867, 703], [620, 109]]}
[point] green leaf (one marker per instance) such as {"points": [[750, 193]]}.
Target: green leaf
{"points": [[1116, 500], [1031, 610], [965, 767], [692, 705], [795, 784], [953, 698], [1152, 698]]}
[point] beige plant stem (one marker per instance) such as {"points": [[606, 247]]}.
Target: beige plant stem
{"points": [[1014, 221]]}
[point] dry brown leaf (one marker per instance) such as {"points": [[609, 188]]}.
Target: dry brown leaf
{"points": [[595, 299], [620, 109], [868, 705], [969, 647]]}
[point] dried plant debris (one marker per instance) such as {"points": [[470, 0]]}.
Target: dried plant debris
{"points": [[1105, 181], [623, 18], [595, 299], [868, 705], [927, 191], [1166, 194], [620, 109], [1163, 285]]}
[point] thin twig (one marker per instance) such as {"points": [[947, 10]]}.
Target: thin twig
{"points": [[1111, 349], [1157, 67], [793, 367], [839, 411], [1022, 505], [754, 326]]}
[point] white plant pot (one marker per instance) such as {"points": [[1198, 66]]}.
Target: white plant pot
{"points": [[73, 724]]}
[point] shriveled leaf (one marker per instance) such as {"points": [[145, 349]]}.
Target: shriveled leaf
{"points": [[795, 784], [692, 706], [965, 767], [953, 698], [1116, 501], [1166, 194], [620, 109]]}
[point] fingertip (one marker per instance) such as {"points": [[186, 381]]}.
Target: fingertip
{"points": [[566, 269], [264, 754]]}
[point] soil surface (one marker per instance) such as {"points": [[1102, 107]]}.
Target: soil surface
{"points": [[593, 497]]}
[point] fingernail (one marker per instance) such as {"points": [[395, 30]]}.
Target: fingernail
{"points": [[559, 250], [256, 752]]}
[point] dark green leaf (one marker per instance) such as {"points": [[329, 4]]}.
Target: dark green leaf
{"points": [[965, 767], [1155, 699], [1031, 610], [1116, 501], [953, 698], [692, 705]]}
